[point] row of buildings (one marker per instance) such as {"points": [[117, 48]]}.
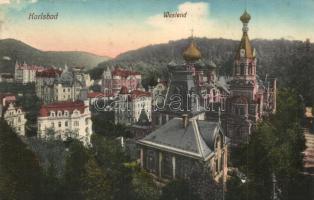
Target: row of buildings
{"points": [[189, 119]]}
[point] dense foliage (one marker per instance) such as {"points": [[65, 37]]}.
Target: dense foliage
{"points": [[272, 161]]}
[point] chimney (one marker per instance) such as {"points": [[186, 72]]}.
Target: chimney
{"points": [[185, 120]]}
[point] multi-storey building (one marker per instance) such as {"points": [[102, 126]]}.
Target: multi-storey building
{"points": [[44, 86], [52, 85], [113, 80], [25, 73], [12, 114], [64, 120], [129, 105]]}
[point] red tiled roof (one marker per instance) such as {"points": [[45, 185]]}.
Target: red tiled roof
{"points": [[61, 106], [7, 98], [124, 90], [30, 67], [123, 72], [49, 73]]}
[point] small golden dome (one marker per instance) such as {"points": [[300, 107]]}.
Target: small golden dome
{"points": [[245, 17], [192, 53]]}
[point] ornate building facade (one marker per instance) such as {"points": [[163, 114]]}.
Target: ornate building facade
{"points": [[129, 105], [113, 80], [65, 120], [52, 85], [12, 114], [250, 98], [25, 73]]}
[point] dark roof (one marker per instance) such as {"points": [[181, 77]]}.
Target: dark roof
{"points": [[197, 139], [143, 119]]}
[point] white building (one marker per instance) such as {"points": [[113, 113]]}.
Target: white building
{"points": [[65, 120], [129, 105], [26, 73], [14, 116]]}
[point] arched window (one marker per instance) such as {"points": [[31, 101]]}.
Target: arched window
{"points": [[250, 69]]}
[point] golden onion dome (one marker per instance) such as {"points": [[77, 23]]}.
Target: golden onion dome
{"points": [[245, 17], [192, 53]]}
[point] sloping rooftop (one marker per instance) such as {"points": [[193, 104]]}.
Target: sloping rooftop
{"points": [[196, 140]]}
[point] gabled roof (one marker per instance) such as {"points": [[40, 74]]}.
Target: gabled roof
{"points": [[196, 140], [49, 73]]}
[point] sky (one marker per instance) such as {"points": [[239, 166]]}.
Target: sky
{"points": [[111, 27]]}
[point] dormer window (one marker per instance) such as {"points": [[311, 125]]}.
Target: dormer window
{"points": [[66, 113], [59, 113], [76, 112], [52, 114]]}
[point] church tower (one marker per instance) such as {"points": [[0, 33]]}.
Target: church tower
{"points": [[245, 60]]}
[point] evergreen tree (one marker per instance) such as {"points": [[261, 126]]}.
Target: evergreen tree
{"points": [[20, 173]]}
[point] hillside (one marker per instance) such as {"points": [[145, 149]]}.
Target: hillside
{"points": [[12, 50], [288, 61], [272, 55]]}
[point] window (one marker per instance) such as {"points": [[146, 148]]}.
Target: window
{"points": [[52, 124], [66, 113], [242, 69], [250, 69], [59, 124], [151, 161], [183, 167], [76, 123], [52, 114], [59, 113], [166, 171], [66, 124]]}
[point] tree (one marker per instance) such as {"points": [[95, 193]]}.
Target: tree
{"points": [[95, 182], [144, 187], [273, 156], [178, 190], [112, 159], [20, 173], [84, 178]]}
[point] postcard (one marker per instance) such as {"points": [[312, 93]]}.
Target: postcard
{"points": [[156, 100]]}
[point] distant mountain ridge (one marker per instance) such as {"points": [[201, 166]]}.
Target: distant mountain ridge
{"points": [[272, 56], [12, 50]]}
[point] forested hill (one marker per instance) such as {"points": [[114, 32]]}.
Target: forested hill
{"points": [[277, 58], [12, 50]]}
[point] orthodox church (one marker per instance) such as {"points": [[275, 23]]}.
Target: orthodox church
{"points": [[199, 116], [243, 100]]}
